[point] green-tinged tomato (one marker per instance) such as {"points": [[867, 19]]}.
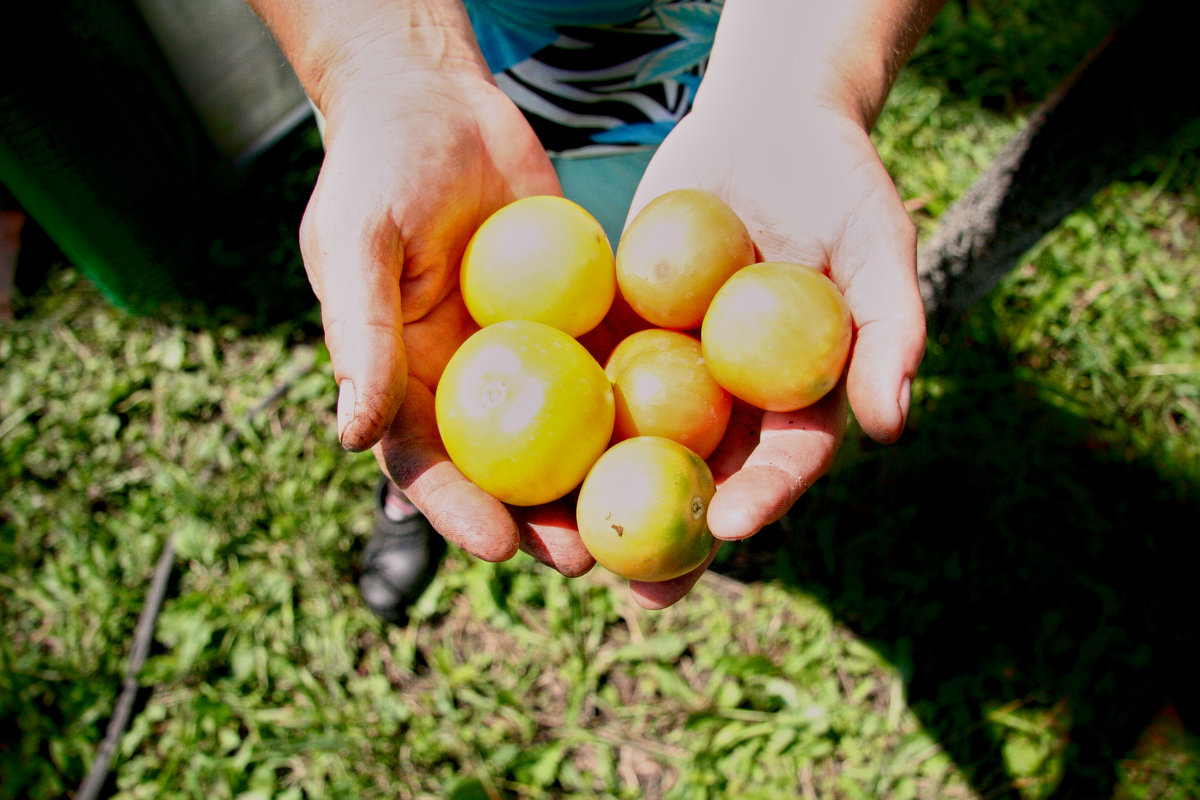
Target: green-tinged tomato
{"points": [[642, 510]]}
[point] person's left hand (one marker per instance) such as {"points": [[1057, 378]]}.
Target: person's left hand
{"points": [[811, 189]]}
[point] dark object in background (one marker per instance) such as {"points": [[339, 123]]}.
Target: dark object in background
{"points": [[399, 562], [101, 148]]}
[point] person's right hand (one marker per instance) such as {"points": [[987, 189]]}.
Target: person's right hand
{"points": [[418, 153]]}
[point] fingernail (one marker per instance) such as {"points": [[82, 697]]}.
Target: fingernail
{"points": [[905, 401], [347, 400]]}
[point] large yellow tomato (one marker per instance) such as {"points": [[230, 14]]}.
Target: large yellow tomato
{"points": [[676, 253], [524, 411], [777, 335], [663, 388], [541, 258], [643, 509]]}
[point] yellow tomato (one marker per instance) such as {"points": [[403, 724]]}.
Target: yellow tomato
{"points": [[524, 411], [540, 258], [676, 253], [663, 388], [777, 335], [642, 510]]}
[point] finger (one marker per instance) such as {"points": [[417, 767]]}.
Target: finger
{"points": [[549, 534], [794, 450], [879, 381], [880, 285], [352, 252], [659, 595], [411, 454], [357, 284]]}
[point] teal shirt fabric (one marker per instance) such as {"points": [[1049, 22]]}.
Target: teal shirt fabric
{"points": [[510, 31]]}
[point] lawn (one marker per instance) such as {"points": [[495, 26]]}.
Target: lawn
{"points": [[998, 606]]}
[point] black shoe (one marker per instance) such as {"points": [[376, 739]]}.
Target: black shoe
{"points": [[399, 561]]}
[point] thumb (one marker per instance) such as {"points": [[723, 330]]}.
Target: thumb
{"points": [[890, 328], [360, 312]]}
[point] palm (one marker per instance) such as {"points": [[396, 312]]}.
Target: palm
{"points": [[407, 179], [813, 191]]}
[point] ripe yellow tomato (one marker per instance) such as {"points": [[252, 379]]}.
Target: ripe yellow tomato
{"points": [[524, 411], [676, 253], [777, 335], [540, 258], [642, 510], [663, 388]]}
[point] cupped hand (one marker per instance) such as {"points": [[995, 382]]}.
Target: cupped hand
{"points": [[415, 161], [811, 189]]}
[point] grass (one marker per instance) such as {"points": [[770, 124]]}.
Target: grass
{"points": [[1000, 606]]}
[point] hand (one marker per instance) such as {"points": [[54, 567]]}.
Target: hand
{"points": [[415, 162], [811, 189]]}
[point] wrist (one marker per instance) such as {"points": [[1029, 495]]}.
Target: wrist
{"points": [[840, 56], [340, 48]]}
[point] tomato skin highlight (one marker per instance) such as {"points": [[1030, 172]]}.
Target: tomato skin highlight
{"points": [[524, 411], [777, 335], [642, 510]]}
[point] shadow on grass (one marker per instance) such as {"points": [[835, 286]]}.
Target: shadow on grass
{"points": [[1015, 569]]}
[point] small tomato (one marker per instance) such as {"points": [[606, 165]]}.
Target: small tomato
{"points": [[541, 258], [524, 411], [777, 335], [676, 253], [642, 510], [662, 387]]}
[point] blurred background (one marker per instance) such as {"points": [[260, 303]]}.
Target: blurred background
{"points": [[998, 606]]}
